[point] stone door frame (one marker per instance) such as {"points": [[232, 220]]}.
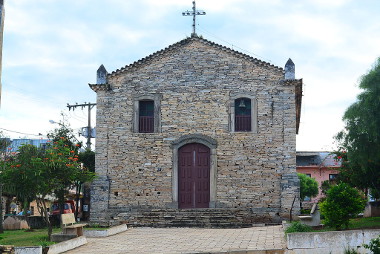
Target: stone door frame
{"points": [[211, 144]]}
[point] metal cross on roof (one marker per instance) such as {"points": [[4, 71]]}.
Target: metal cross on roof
{"points": [[193, 13]]}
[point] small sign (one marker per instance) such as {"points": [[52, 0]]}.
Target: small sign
{"points": [[85, 208]]}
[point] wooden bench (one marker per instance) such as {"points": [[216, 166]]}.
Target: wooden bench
{"points": [[69, 227]]}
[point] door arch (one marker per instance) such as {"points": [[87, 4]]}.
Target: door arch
{"points": [[193, 176], [189, 139]]}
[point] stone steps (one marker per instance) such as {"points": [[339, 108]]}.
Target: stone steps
{"points": [[208, 218]]}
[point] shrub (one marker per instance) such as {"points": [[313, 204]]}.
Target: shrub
{"points": [[341, 204], [305, 211], [374, 245], [297, 226], [308, 186], [350, 251]]}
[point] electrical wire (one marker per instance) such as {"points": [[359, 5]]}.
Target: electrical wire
{"points": [[234, 46], [29, 134]]}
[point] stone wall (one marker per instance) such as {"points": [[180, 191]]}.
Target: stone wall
{"points": [[330, 242], [195, 81]]}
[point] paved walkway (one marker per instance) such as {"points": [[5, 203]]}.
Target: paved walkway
{"points": [[186, 240]]}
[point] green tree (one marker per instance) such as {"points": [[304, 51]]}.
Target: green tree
{"points": [[4, 143], [45, 172], [341, 204], [308, 186], [360, 140], [21, 176]]}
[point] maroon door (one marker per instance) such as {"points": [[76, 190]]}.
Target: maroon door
{"points": [[194, 176]]}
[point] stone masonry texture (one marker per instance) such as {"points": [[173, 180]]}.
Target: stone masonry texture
{"points": [[193, 83]]}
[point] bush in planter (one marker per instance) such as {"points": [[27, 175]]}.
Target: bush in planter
{"points": [[341, 204], [297, 226]]}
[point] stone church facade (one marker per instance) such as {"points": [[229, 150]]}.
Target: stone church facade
{"points": [[195, 132]]}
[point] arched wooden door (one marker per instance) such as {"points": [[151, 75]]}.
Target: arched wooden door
{"points": [[193, 176]]}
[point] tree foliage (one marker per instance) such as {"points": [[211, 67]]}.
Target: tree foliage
{"points": [[341, 204], [19, 171], [35, 173], [360, 140], [373, 245], [88, 159], [308, 186]]}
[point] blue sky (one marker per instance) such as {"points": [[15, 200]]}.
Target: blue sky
{"points": [[52, 49]]}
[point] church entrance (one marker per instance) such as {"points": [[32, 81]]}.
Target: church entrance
{"points": [[193, 176]]}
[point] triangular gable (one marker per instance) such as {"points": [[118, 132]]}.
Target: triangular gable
{"points": [[186, 41]]}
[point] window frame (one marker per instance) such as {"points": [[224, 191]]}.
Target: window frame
{"points": [[332, 177], [148, 115], [156, 98], [243, 95]]}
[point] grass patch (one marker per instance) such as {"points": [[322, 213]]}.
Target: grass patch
{"points": [[18, 238], [357, 223], [96, 228], [360, 223], [297, 226]]}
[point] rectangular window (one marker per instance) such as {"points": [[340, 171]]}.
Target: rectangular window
{"points": [[146, 116], [332, 177], [243, 114]]}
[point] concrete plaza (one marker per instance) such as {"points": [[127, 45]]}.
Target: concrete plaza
{"points": [[189, 240]]}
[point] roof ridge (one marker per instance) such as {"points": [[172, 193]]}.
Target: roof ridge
{"points": [[187, 40]]}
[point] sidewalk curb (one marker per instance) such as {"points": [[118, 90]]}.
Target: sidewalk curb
{"points": [[67, 245]]}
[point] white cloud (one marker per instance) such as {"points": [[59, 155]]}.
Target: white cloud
{"points": [[329, 3], [53, 48]]}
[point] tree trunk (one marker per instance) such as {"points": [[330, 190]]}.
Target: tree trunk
{"points": [[41, 205], [61, 203], [25, 210]]}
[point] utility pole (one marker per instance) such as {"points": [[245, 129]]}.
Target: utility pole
{"points": [[89, 107]]}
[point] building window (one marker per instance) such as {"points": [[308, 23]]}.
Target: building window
{"points": [[306, 198], [332, 177], [243, 112], [146, 117], [309, 175]]}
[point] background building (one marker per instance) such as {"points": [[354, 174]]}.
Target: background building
{"points": [[322, 166]]}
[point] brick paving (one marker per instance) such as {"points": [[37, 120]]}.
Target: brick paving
{"points": [[187, 240]]}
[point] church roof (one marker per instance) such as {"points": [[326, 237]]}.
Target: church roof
{"points": [[186, 41]]}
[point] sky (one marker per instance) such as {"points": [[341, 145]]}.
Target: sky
{"points": [[52, 49]]}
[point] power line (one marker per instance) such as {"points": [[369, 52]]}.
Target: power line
{"points": [[233, 45], [29, 134]]}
